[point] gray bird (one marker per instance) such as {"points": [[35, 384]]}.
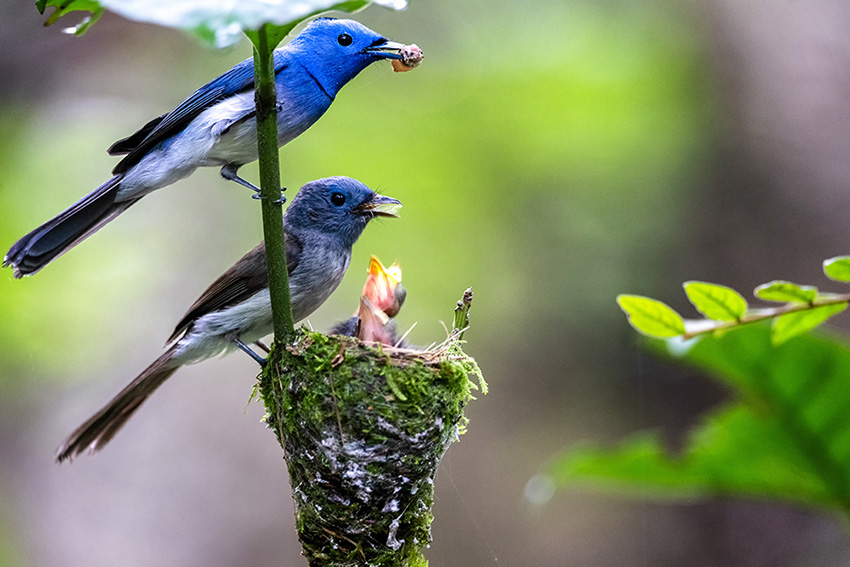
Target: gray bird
{"points": [[321, 225]]}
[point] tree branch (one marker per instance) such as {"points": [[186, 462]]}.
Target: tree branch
{"points": [[766, 313]]}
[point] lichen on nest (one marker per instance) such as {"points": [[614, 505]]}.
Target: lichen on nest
{"points": [[363, 431]]}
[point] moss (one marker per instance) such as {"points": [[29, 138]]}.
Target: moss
{"points": [[363, 431]]}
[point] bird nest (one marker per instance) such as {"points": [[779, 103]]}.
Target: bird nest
{"points": [[363, 430]]}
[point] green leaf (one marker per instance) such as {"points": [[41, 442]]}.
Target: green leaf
{"points": [[84, 24], [716, 302], [276, 34], [786, 435], [221, 23], [651, 317], [837, 268], [785, 292], [796, 323], [63, 7], [66, 6]]}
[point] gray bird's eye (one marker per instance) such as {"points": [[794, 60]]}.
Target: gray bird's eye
{"points": [[344, 39], [338, 199]]}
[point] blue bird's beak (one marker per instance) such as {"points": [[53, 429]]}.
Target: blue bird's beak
{"points": [[386, 49], [379, 206]]}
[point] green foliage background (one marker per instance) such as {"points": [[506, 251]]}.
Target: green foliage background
{"points": [[784, 437]]}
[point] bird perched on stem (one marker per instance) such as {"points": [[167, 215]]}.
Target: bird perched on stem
{"points": [[323, 222], [382, 298], [215, 126]]}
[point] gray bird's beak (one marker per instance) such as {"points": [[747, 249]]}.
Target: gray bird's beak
{"points": [[387, 49], [379, 206]]}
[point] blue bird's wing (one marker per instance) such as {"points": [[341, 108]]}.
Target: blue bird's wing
{"points": [[128, 144], [242, 280], [236, 80]]}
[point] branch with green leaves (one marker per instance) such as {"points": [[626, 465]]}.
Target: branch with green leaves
{"points": [[784, 434], [803, 307]]}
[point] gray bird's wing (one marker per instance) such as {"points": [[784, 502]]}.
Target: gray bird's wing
{"points": [[240, 282], [236, 80]]}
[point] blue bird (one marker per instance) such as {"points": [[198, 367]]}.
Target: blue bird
{"points": [[215, 126], [321, 225]]}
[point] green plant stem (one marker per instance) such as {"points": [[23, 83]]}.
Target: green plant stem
{"points": [[763, 314], [266, 101], [461, 321]]}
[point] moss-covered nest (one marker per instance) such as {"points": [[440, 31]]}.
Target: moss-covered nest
{"points": [[363, 430]]}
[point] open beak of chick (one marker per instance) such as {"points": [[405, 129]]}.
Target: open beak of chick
{"points": [[382, 298]]}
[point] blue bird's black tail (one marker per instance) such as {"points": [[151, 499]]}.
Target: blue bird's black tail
{"points": [[70, 227]]}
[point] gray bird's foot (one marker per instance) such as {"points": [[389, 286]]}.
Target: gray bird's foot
{"points": [[280, 201], [249, 351]]}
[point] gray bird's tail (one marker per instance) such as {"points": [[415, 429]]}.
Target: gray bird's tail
{"points": [[70, 227], [102, 426]]}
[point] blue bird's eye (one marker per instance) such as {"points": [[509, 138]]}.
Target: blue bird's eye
{"points": [[338, 199], [344, 39]]}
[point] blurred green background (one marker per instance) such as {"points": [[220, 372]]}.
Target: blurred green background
{"points": [[550, 154]]}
